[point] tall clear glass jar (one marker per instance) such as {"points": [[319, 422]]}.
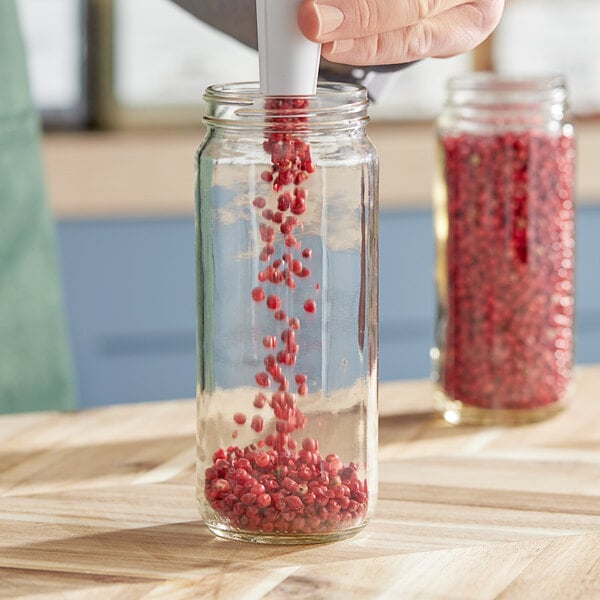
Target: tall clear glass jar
{"points": [[504, 225], [286, 226]]}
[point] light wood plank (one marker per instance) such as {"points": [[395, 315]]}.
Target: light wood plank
{"points": [[101, 504]]}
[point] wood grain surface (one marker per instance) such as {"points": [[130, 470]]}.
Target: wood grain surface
{"points": [[100, 504]]}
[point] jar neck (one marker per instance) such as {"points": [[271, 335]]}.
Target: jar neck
{"points": [[489, 99], [335, 106]]}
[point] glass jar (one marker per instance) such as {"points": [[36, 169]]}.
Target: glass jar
{"points": [[286, 225], [504, 226]]}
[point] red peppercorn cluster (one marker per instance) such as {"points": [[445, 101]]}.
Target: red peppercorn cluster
{"points": [[285, 492], [291, 161], [274, 486], [508, 337]]}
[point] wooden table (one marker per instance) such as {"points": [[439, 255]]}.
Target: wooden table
{"points": [[100, 504]]}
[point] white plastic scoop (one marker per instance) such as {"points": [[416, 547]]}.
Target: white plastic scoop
{"points": [[288, 62]]}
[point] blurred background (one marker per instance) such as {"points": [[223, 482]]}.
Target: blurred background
{"points": [[119, 84]]}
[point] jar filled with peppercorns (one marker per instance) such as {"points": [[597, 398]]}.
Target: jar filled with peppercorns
{"points": [[286, 226], [504, 227]]}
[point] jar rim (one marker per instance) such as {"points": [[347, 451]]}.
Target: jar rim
{"points": [[249, 91], [241, 104], [489, 98], [506, 82]]}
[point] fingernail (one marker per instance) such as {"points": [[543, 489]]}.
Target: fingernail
{"points": [[341, 46], [330, 18]]}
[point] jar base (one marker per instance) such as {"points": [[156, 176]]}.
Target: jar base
{"points": [[456, 412], [283, 539]]}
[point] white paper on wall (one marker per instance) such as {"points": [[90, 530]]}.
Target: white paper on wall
{"points": [[166, 57], [52, 32], [553, 36]]}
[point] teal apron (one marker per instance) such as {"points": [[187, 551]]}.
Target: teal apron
{"points": [[35, 368]]}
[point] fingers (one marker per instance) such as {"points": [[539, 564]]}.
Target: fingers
{"points": [[328, 20], [456, 30], [372, 32]]}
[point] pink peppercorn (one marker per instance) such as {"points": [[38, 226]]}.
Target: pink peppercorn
{"points": [[257, 423], [258, 294], [273, 302], [310, 306], [239, 418]]}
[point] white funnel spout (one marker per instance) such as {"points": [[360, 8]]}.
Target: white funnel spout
{"points": [[288, 62]]}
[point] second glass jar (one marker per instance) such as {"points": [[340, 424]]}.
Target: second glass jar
{"points": [[504, 224], [286, 227]]}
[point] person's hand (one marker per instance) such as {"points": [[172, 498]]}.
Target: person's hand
{"points": [[378, 32]]}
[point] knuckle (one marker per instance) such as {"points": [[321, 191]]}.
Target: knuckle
{"points": [[418, 41], [373, 49], [426, 8], [380, 49], [489, 13], [366, 13]]}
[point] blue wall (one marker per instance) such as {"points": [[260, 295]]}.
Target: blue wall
{"points": [[130, 296]]}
